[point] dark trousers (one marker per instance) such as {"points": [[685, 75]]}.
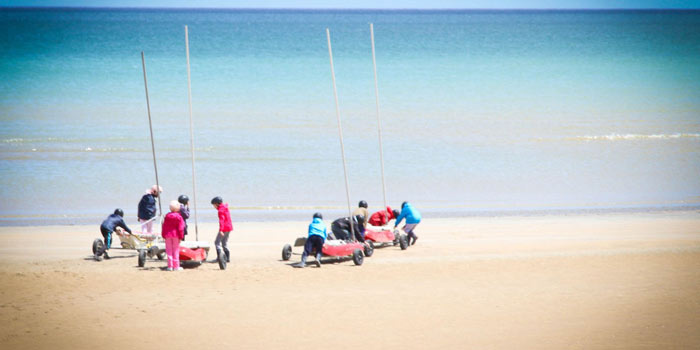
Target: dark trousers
{"points": [[107, 235], [313, 243], [344, 235], [360, 236], [340, 233]]}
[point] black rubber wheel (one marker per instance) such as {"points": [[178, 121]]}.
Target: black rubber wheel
{"points": [[286, 252], [221, 259], [97, 244], [369, 249], [403, 241], [151, 252], [397, 237], [142, 258], [161, 255], [357, 257]]}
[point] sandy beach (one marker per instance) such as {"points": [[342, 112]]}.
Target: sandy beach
{"points": [[609, 281]]}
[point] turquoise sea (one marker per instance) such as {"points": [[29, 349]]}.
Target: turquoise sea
{"points": [[483, 112]]}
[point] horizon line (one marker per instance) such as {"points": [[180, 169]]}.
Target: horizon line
{"points": [[350, 9]]}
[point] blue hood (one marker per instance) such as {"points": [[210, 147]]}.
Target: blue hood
{"points": [[410, 213], [317, 227]]}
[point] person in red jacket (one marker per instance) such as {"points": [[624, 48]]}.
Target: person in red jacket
{"points": [[225, 227], [382, 217], [173, 232]]}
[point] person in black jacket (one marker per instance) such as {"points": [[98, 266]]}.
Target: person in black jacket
{"points": [[114, 222], [147, 209], [341, 228], [184, 209]]}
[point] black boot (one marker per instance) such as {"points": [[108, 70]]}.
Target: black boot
{"points": [[228, 255], [318, 260]]}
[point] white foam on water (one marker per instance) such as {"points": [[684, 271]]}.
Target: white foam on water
{"points": [[627, 137]]}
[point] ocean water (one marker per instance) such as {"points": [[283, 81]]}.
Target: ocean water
{"points": [[483, 112]]}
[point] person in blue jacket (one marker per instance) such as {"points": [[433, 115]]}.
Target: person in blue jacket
{"points": [[112, 223], [147, 209], [317, 236], [412, 217]]}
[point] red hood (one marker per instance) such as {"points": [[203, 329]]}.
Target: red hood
{"points": [[225, 224], [391, 213]]}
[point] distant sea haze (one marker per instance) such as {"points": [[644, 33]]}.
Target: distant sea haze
{"points": [[482, 112]]}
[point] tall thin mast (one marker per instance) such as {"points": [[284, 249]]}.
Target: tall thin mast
{"points": [[379, 123], [189, 99], [340, 133], [150, 127]]}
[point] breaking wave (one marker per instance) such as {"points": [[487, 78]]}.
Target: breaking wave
{"points": [[628, 137], [59, 140]]}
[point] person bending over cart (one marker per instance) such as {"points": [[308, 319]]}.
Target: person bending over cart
{"points": [[112, 223], [317, 236], [412, 217], [341, 228], [362, 210], [382, 217]]}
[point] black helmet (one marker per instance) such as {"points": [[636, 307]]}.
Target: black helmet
{"points": [[318, 216], [359, 218], [119, 212], [403, 204], [395, 213], [362, 204], [217, 200], [183, 199]]}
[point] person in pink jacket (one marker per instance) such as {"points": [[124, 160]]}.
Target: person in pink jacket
{"points": [[173, 232], [225, 227]]}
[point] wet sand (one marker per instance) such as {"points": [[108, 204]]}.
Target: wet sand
{"points": [[578, 282]]}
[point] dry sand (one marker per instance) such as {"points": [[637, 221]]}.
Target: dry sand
{"points": [[569, 282]]}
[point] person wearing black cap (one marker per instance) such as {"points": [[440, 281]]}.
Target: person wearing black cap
{"points": [[225, 227], [317, 236], [341, 228], [184, 209], [362, 211], [114, 222]]}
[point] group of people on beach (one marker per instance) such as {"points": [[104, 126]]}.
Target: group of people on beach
{"points": [[354, 226], [173, 229], [174, 226]]}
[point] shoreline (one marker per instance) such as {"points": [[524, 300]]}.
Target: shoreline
{"points": [[272, 214]]}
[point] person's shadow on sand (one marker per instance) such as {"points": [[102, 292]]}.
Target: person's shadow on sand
{"points": [[111, 257], [311, 263]]}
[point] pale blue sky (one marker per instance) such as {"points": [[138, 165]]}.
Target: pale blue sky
{"points": [[369, 4]]}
